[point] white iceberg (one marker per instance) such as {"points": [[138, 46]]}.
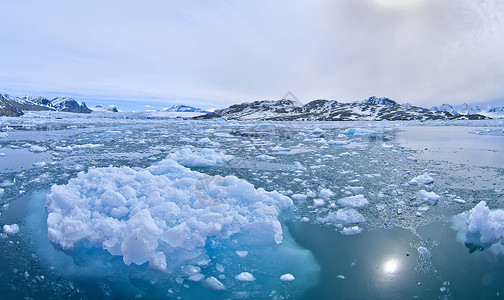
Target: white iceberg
{"points": [[146, 215]]}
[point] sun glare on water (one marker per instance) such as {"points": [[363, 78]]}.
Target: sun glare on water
{"points": [[391, 266]]}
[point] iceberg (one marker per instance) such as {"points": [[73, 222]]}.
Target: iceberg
{"points": [[480, 228], [146, 215]]}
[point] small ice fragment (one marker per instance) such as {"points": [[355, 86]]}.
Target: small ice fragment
{"points": [[423, 250], [40, 164], [458, 200], [196, 277], [425, 178], [326, 193], [11, 229], [287, 277], [341, 276], [2, 154], [442, 289], [242, 254], [427, 196], [35, 148], [351, 230], [412, 158], [245, 276], [213, 283], [353, 201], [299, 197], [423, 208], [318, 202], [304, 219]]}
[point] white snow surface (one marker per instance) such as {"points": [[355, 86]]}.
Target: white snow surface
{"points": [[203, 158], [146, 215], [480, 226]]}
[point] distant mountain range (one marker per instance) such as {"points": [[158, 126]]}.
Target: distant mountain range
{"points": [[15, 106], [464, 109], [371, 109], [184, 108]]}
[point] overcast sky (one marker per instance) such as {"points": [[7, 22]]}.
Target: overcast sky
{"points": [[216, 53]]}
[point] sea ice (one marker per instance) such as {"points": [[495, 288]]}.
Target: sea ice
{"points": [[11, 229], [480, 227], [423, 195], [345, 216], [35, 148], [287, 277], [146, 215], [351, 230], [425, 178], [203, 158], [358, 132], [213, 283], [353, 201], [245, 276]]}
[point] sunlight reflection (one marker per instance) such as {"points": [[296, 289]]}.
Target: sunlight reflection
{"points": [[391, 266]]}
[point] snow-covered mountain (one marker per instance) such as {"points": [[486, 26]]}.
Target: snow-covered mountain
{"points": [[14, 106], [466, 109], [184, 108], [100, 108], [372, 109]]}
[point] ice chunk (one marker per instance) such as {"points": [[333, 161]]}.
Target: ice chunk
{"points": [[35, 148], [341, 276], [166, 210], [1, 191], [326, 194], [287, 277], [425, 178], [358, 132], [351, 230], [353, 201], [242, 254], [11, 229], [245, 276], [423, 251], [354, 189], [213, 283], [423, 195], [338, 142], [480, 227], [345, 216], [318, 202], [203, 158]]}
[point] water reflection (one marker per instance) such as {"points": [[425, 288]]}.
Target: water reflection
{"points": [[391, 266]]}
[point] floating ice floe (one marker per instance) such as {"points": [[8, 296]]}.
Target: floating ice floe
{"points": [[353, 201], [35, 148], [338, 142], [11, 229], [203, 158], [481, 228], [351, 230], [287, 277], [425, 178], [345, 216], [358, 132], [245, 276], [165, 210], [423, 195]]}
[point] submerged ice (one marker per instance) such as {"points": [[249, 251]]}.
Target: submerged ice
{"points": [[481, 228], [166, 210]]}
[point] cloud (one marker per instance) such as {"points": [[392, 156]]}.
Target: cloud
{"points": [[221, 52]]}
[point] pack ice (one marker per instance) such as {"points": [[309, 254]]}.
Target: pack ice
{"points": [[166, 210]]}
